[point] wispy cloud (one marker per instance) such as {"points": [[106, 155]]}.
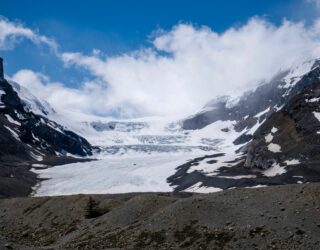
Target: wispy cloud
{"points": [[12, 33]]}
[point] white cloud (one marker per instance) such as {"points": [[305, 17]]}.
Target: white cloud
{"points": [[88, 99], [12, 32], [182, 70], [188, 66]]}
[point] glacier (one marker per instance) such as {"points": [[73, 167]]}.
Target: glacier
{"points": [[131, 159]]}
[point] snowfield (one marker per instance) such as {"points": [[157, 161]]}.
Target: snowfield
{"points": [[117, 174]]}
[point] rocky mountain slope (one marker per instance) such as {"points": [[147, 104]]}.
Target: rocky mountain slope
{"points": [[282, 217], [279, 141], [28, 138], [257, 104]]}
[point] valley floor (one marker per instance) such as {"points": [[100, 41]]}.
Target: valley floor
{"points": [[278, 217]]}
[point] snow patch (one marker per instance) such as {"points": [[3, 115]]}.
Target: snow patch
{"points": [[255, 127], [198, 188], [268, 138], [36, 157], [34, 137], [314, 99], [292, 162], [262, 112], [275, 148], [237, 177], [37, 165], [274, 170], [257, 186], [14, 133], [274, 130], [317, 115], [11, 120]]}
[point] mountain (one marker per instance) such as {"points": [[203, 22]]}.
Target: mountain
{"points": [[257, 104], [28, 137], [279, 141], [268, 136]]}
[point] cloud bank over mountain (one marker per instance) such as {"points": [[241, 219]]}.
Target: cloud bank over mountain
{"points": [[179, 72]]}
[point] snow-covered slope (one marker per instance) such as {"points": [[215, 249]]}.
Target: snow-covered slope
{"points": [[26, 118], [31, 102]]}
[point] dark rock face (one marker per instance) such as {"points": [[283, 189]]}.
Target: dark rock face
{"points": [[46, 136], [242, 139], [27, 138], [1, 68], [16, 180], [297, 134]]}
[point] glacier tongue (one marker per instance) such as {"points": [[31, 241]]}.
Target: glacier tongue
{"points": [[137, 160], [117, 174]]}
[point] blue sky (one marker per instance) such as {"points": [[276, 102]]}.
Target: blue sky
{"points": [[118, 27]]}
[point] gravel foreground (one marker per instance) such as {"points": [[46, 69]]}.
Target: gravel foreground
{"points": [[279, 217]]}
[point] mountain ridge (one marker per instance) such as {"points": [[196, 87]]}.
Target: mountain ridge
{"points": [[27, 138]]}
